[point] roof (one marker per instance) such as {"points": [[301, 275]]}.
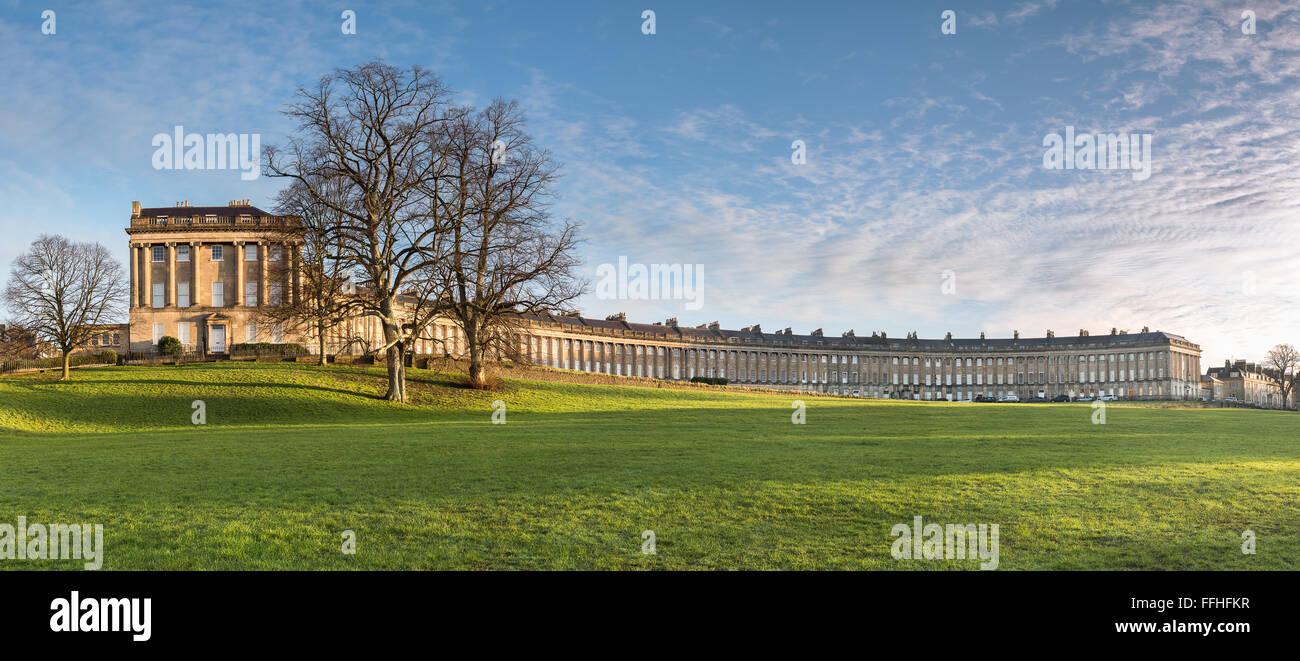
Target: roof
{"points": [[186, 212], [1116, 341]]}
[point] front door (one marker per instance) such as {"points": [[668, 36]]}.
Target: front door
{"points": [[218, 339]]}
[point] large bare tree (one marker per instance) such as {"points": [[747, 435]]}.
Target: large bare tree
{"points": [[59, 290], [371, 133], [1283, 365], [506, 256]]}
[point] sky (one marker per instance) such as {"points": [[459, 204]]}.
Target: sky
{"points": [[922, 201]]}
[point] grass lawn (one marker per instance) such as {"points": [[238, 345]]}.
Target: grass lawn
{"points": [[292, 455]]}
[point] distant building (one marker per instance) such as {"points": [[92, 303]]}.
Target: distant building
{"points": [[107, 336], [1248, 383], [1145, 365], [1211, 389]]}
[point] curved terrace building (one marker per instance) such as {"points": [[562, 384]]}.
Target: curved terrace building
{"points": [[202, 274], [1144, 365]]}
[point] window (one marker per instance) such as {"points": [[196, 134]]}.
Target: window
{"points": [[182, 294], [158, 254], [216, 254], [218, 293], [273, 254], [159, 294], [250, 294], [250, 332], [117, 338], [250, 253], [182, 253], [183, 333], [157, 332]]}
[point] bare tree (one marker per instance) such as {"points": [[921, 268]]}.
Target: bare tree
{"points": [[60, 290], [324, 299], [506, 256], [1283, 366], [371, 132]]}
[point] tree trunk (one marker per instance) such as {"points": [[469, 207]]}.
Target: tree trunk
{"points": [[477, 373], [66, 355], [396, 375], [320, 343]]}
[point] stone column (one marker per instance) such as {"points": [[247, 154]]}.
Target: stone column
{"points": [[297, 274], [196, 275], [135, 282], [239, 273], [262, 287], [171, 274], [148, 273]]}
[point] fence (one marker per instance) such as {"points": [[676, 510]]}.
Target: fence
{"points": [[76, 360]]}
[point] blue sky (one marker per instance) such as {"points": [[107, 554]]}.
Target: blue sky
{"points": [[924, 150]]}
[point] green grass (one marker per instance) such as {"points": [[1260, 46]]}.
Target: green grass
{"points": [[292, 455]]}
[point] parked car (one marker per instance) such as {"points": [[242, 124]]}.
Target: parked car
{"points": [[1108, 398], [1035, 400], [1009, 398], [1061, 398]]}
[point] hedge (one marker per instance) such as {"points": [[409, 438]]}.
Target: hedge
{"points": [[711, 380]]}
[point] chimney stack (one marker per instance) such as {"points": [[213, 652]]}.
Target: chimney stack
{"points": [[1015, 335], [135, 209], [1050, 334]]}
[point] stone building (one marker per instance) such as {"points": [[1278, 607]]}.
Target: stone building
{"points": [[201, 274], [1247, 383], [1144, 365], [107, 336]]}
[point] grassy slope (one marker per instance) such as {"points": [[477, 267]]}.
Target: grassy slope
{"points": [[294, 454]]}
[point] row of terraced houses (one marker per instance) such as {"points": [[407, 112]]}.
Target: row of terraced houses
{"points": [[201, 274]]}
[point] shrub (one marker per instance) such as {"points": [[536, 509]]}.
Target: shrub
{"points": [[108, 356], [170, 346], [710, 380]]}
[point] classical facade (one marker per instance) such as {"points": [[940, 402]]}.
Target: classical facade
{"points": [[201, 274], [1144, 365]]}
